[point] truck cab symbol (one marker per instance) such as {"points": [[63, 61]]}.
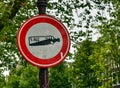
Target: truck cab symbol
{"points": [[42, 40]]}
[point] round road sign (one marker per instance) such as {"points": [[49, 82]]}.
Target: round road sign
{"points": [[43, 41]]}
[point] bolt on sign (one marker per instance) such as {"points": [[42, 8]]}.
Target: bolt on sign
{"points": [[43, 41]]}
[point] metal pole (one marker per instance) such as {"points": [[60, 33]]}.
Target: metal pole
{"points": [[43, 72], [43, 77], [41, 4]]}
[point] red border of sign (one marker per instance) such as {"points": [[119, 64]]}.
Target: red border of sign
{"points": [[41, 62]]}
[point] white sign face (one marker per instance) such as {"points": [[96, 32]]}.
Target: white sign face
{"points": [[43, 40]]}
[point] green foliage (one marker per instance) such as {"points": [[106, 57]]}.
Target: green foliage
{"points": [[23, 77], [2, 79], [59, 76], [85, 66]]}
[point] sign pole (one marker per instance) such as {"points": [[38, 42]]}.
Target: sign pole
{"points": [[43, 72], [43, 78], [43, 41]]}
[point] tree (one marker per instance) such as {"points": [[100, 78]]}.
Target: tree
{"points": [[59, 76], [110, 31], [104, 57], [23, 77], [2, 79], [10, 20], [86, 67]]}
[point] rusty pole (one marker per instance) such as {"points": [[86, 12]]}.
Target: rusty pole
{"points": [[43, 72]]}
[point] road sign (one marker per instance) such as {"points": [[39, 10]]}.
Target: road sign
{"points": [[43, 41]]}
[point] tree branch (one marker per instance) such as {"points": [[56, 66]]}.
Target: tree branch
{"points": [[13, 11]]}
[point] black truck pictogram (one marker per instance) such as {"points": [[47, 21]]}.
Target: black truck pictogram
{"points": [[42, 40]]}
